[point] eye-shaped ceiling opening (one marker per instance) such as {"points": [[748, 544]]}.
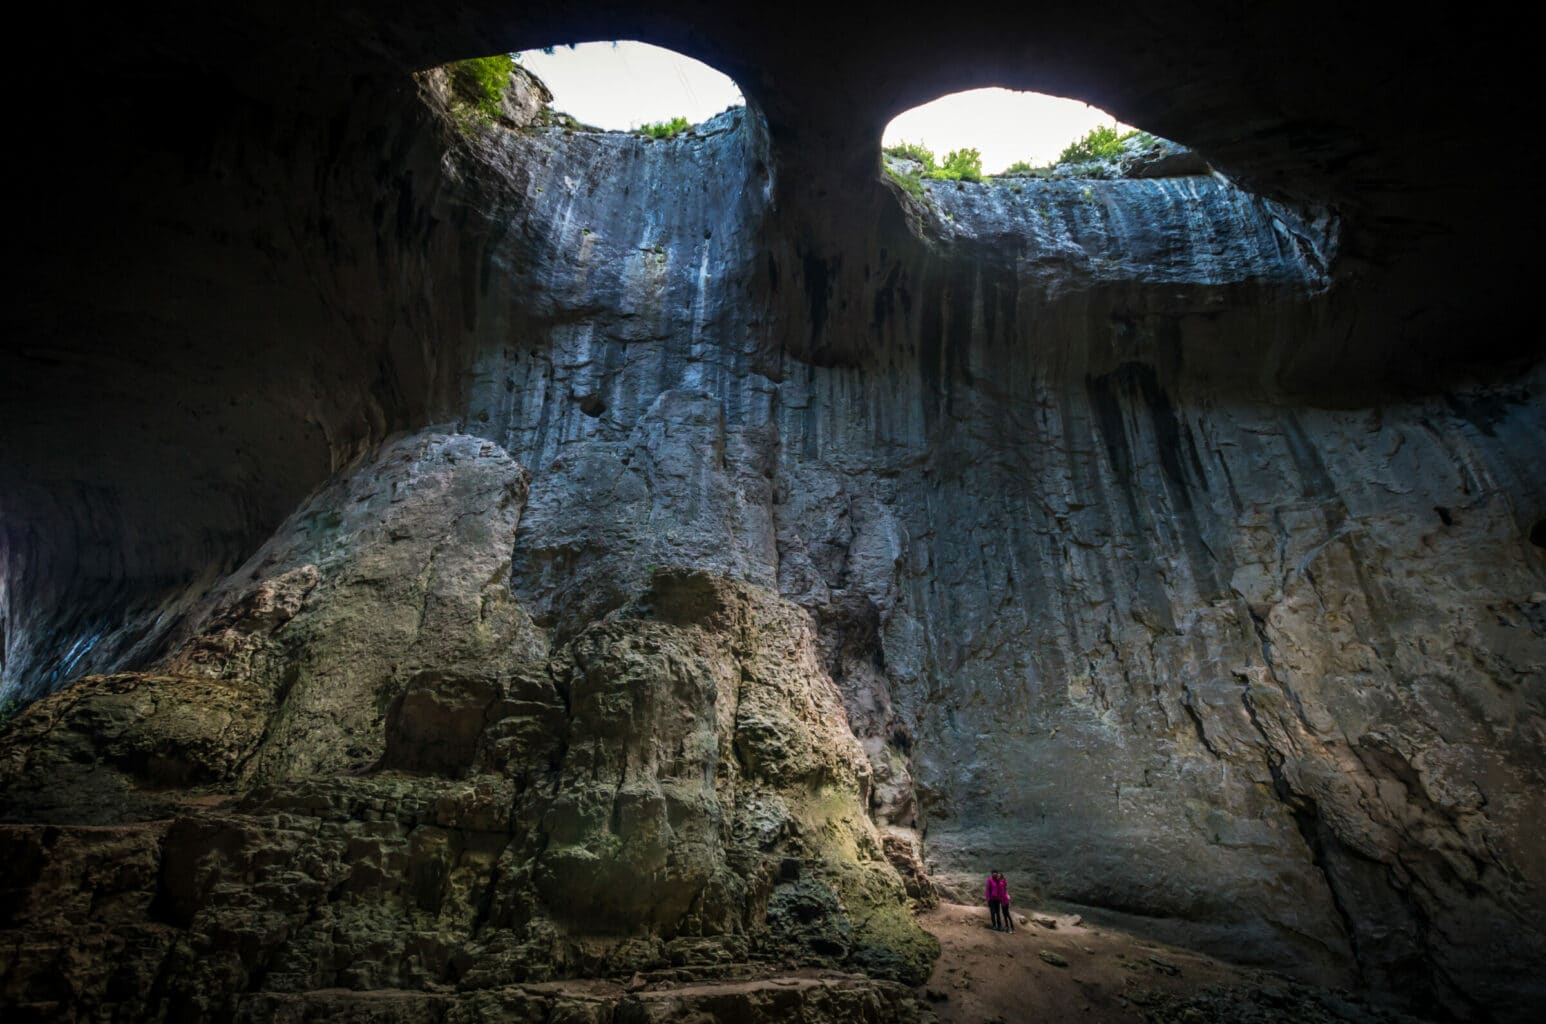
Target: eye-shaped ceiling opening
{"points": [[1008, 129], [997, 133], [623, 85]]}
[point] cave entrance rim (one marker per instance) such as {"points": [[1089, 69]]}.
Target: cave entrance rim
{"points": [[628, 85], [1008, 127]]}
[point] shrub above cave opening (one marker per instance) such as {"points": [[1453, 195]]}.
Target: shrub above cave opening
{"points": [[958, 165], [665, 129], [995, 134], [478, 85]]}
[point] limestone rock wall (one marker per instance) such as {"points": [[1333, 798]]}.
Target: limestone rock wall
{"points": [[1108, 608], [1280, 707]]}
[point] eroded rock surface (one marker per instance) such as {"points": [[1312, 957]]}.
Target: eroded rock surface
{"points": [[364, 769], [1109, 616]]}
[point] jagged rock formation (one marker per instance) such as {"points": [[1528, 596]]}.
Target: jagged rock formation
{"points": [[365, 769], [1140, 156], [1130, 535]]}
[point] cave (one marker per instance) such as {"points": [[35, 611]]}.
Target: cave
{"points": [[458, 564]]}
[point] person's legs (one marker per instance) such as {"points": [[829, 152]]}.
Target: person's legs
{"points": [[1009, 922], [993, 909]]}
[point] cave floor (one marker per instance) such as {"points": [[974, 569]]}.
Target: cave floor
{"points": [[1079, 971]]}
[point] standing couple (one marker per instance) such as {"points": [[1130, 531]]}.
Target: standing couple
{"points": [[997, 893]]}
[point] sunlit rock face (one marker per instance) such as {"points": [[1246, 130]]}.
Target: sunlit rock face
{"points": [[614, 524]]}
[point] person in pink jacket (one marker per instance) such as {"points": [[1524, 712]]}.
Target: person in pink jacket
{"points": [[997, 894]]}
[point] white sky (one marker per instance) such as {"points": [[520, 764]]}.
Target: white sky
{"points": [[1004, 126], [623, 85]]}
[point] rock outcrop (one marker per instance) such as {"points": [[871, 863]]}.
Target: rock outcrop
{"points": [[364, 768]]}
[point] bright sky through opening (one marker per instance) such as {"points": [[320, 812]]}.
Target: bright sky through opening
{"points": [[620, 86], [623, 85], [1004, 126]]}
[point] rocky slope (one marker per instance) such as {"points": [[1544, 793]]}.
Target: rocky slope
{"points": [[365, 769], [1002, 520]]}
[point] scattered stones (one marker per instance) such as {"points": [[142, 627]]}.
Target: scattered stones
{"points": [[1055, 959]]}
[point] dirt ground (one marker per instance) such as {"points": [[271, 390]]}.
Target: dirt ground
{"points": [[1057, 967], [992, 976]]}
